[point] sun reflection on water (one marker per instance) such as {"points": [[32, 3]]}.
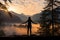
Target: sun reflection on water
{"points": [[11, 30]]}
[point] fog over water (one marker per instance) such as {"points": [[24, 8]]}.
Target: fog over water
{"points": [[15, 30]]}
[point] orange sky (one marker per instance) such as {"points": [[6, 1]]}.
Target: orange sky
{"points": [[27, 7]]}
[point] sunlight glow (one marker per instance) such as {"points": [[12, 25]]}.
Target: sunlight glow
{"points": [[29, 9], [11, 9]]}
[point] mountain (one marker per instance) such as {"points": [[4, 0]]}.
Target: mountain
{"points": [[36, 17], [21, 16], [4, 16]]}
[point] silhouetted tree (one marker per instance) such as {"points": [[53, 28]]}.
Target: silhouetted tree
{"points": [[7, 0], [0, 20], [2, 34], [50, 6], [2, 6], [56, 19], [45, 22]]}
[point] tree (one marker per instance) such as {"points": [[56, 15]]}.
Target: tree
{"points": [[6, 1], [3, 7], [57, 20], [51, 5], [45, 22], [2, 34]]}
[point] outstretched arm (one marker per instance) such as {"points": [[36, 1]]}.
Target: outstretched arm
{"points": [[24, 22], [34, 22]]}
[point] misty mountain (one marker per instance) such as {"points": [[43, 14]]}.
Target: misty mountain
{"points": [[4, 16], [36, 17], [21, 16]]}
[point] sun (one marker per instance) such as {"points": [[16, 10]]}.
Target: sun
{"points": [[11, 9]]}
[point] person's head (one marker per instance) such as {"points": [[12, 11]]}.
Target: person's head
{"points": [[29, 17]]}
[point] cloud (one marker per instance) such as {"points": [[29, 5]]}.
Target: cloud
{"points": [[28, 7], [27, 2]]}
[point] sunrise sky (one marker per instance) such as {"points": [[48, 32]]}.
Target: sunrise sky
{"points": [[27, 7]]}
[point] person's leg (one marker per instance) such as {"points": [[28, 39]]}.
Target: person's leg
{"points": [[28, 31]]}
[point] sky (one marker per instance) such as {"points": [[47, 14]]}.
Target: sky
{"points": [[27, 7]]}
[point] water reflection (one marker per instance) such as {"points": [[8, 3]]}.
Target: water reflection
{"points": [[17, 29]]}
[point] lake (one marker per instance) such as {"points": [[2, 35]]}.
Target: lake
{"points": [[17, 30]]}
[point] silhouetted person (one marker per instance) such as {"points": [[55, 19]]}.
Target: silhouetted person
{"points": [[29, 25]]}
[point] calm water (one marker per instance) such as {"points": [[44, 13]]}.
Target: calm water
{"points": [[15, 30]]}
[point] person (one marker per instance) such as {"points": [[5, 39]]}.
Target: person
{"points": [[29, 26]]}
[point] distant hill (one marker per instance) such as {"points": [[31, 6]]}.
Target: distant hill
{"points": [[4, 16], [21, 16], [36, 17]]}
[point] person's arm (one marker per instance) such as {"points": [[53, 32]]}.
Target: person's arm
{"points": [[24, 22], [33, 22]]}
